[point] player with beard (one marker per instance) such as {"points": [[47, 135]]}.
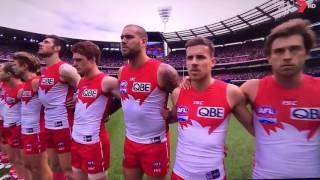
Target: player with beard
{"points": [[144, 87], [286, 107], [32, 126], [57, 83]]}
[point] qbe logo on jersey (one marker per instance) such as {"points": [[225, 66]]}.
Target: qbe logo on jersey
{"points": [[182, 113], [90, 93], [141, 87], [305, 113], [210, 112], [47, 81]]}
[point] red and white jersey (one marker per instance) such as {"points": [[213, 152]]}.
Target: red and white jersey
{"points": [[142, 100], [53, 95], [30, 109], [203, 118], [287, 129], [12, 107], [91, 110], [2, 99]]}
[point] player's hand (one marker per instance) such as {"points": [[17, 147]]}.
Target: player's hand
{"points": [[71, 102], [165, 113], [185, 83], [107, 119]]}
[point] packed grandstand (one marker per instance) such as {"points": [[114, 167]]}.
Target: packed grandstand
{"points": [[239, 44]]}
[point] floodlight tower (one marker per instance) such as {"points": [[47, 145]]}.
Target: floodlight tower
{"points": [[165, 13]]}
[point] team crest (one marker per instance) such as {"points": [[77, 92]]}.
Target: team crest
{"points": [[123, 87], [182, 113], [266, 115]]}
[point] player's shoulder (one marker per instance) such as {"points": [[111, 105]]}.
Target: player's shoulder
{"points": [[250, 84]]}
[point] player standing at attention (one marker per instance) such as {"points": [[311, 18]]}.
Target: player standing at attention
{"points": [[144, 87]]}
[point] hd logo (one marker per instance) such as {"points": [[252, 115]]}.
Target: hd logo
{"points": [[90, 93], [305, 113], [141, 87], [47, 81], [210, 112]]}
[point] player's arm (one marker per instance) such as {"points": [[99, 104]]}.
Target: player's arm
{"points": [[237, 102], [110, 85], [19, 93], [35, 84], [250, 88], [168, 77], [171, 115], [69, 74]]}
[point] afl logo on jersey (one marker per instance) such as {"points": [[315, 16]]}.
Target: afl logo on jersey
{"points": [[266, 115], [10, 100], [141, 87], [123, 87], [26, 94], [305, 113], [210, 112], [47, 81], [90, 93], [182, 113]]}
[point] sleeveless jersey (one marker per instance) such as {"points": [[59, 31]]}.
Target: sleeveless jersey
{"points": [[30, 109], [142, 100], [2, 99], [91, 110], [287, 129], [203, 118], [12, 107], [53, 95]]}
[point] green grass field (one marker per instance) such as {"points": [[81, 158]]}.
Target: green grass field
{"points": [[238, 162]]}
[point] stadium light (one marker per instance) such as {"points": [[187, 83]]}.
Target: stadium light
{"points": [[164, 13]]}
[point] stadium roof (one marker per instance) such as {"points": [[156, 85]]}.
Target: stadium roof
{"points": [[266, 12], [103, 20]]}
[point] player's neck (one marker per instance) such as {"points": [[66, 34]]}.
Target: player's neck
{"points": [[51, 60], [94, 71], [28, 75], [202, 84], [289, 82], [139, 60]]}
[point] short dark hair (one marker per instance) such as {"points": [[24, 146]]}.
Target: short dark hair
{"points": [[8, 68], [30, 60], [58, 41], [141, 31], [201, 41], [289, 28], [88, 49]]}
